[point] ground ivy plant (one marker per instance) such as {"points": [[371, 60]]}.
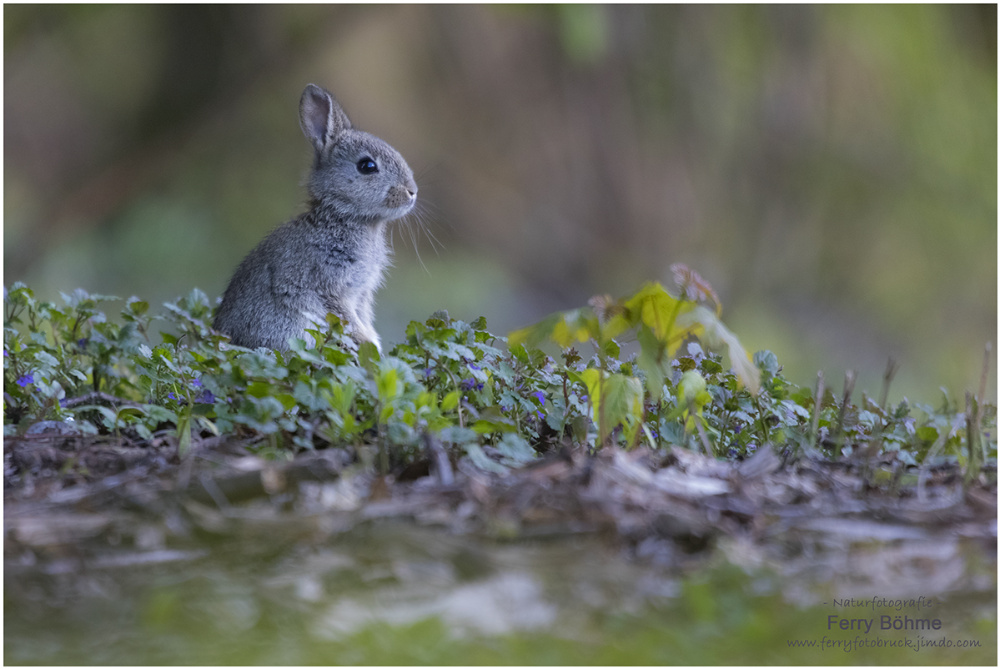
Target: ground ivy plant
{"points": [[500, 401]]}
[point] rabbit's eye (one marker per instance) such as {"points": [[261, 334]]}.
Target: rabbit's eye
{"points": [[367, 166]]}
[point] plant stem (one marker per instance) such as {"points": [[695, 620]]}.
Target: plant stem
{"points": [[817, 408], [890, 372], [762, 419], [972, 438], [848, 390], [601, 431], [984, 375], [701, 431]]}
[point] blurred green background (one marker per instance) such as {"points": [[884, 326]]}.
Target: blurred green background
{"points": [[831, 170]]}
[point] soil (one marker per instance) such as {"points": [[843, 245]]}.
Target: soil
{"points": [[800, 515]]}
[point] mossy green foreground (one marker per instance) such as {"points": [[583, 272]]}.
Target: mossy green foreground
{"points": [[469, 388], [466, 498], [389, 593]]}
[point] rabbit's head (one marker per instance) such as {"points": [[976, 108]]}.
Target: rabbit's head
{"points": [[357, 174]]}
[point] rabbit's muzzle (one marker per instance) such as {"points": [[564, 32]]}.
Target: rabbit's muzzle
{"points": [[401, 197]]}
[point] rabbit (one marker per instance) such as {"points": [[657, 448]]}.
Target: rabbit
{"points": [[333, 257]]}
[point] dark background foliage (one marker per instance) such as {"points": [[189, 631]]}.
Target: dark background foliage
{"points": [[831, 170]]}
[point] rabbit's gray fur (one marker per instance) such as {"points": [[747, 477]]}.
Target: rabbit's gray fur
{"points": [[331, 258]]}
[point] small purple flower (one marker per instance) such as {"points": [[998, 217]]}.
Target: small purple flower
{"points": [[196, 383], [82, 343], [6, 354], [172, 396], [206, 397], [467, 384], [474, 366], [505, 408], [538, 395], [428, 372], [25, 380]]}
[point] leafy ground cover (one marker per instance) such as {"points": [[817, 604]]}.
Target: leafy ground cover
{"points": [[497, 401]]}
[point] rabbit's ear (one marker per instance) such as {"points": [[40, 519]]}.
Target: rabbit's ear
{"points": [[322, 119]]}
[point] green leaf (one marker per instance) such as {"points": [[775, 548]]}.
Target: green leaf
{"points": [[368, 354], [341, 396], [927, 433], [491, 424], [483, 461], [515, 450], [387, 384], [534, 335], [578, 325], [136, 307], [450, 400], [46, 359], [622, 399], [287, 401], [766, 361], [591, 378], [260, 389], [109, 415], [159, 414], [651, 360], [620, 395], [184, 434], [458, 435], [657, 309], [709, 366], [565, 329]]}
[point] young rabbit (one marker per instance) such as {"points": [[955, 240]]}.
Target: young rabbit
{"points": [[331, 258]]}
